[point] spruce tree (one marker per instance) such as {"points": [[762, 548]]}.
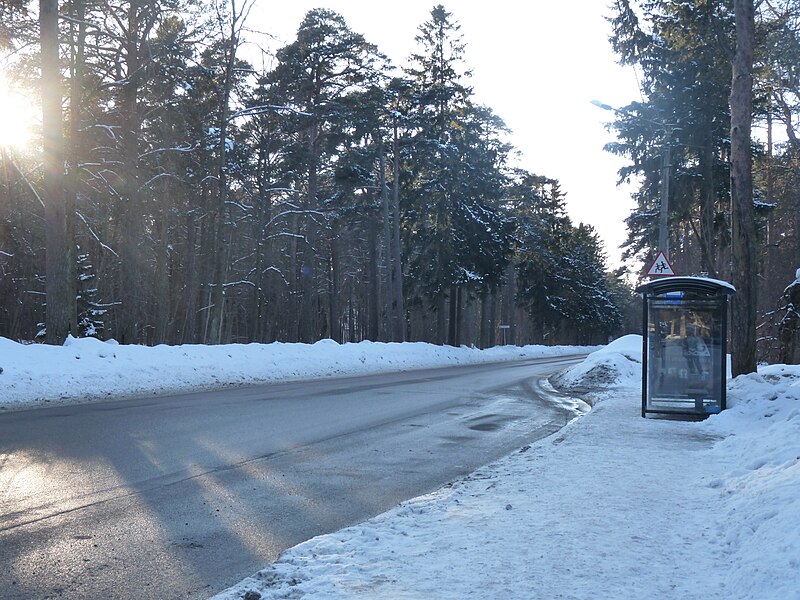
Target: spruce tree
{"points": [[681, 51]]}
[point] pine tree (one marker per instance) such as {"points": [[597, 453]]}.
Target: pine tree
{"points": [[681, 51], [316, 76], [60, 287], [543, 234], [457, 240]]}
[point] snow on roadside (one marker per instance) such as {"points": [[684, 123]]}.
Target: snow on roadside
{"points": [[88, 369], [613, 506], [618, 365], [760, 494]]}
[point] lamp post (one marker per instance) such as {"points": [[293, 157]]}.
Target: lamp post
{"points": [[666, 167]]}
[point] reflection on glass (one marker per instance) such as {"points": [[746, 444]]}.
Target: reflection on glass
{"points": [[685, 350]]}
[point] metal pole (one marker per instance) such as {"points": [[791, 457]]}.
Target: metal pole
{"points": [[645, 351], [666, 159], [663, 221]]}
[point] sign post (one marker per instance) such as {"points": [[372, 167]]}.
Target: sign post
{"points": [[504, 328]]}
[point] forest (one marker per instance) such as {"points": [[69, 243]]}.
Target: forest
{"points": [[333, 195], [683, 52], [183, 192]]}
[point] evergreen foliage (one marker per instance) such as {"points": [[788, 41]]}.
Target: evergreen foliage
{"points": [[331, 195], [562, 282], [683, 52]]}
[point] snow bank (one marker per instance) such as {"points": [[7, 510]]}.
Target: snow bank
{"points": [[618, 365], [757, 509], [760, 496], [86, 369], [612, 506]]}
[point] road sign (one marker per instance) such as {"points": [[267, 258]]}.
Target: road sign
{"points": [[504, 328], [661, 267]]}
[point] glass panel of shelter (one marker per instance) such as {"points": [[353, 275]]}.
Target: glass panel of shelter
{"points": [[684, 354]]}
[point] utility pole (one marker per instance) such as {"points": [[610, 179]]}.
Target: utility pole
{"points": [[666, 168], [663, 218]]}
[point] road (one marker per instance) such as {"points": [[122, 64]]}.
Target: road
{"points": [[183, 496]]}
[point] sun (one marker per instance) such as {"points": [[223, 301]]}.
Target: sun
{"points": [[17, 115]]}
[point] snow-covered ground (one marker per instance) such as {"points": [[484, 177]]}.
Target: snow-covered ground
{"points": [[612, 506], [87, 369]]}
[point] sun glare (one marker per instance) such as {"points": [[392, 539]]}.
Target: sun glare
{"points": [[17, 115]]}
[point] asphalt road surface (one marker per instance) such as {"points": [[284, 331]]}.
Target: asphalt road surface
{"points": [[183, 496]]}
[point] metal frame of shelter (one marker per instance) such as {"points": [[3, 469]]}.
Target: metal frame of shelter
{"points": [[684, 345]]}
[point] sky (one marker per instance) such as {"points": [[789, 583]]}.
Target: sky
{"points": [[16, 115], [611, 506], [538, 65]]}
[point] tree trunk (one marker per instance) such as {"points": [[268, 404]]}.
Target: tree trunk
{"points": [[333, 305], [772, 267], [296, 276], [452, 321], [162, 278], [130, 252], [491, 308], [351, 316], [217, 283], [308, 279], [508, 311], [373, 326], [461, 301], [708, 194], [397, 280], [78, 69], [389, 306], [744, 262], [256, 314], [192, 289], [707, 207], [59, 289], [483, 341], [441, 320], [218, 290]]}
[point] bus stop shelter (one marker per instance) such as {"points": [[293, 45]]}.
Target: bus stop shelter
{"points": [[684, 353]]}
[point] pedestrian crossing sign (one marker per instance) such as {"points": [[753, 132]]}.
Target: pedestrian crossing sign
{"points": [[661, 267]]}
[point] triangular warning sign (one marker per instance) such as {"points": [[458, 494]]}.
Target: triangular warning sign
{"points": [[660, 267]]}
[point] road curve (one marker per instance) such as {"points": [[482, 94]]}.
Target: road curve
{"points": [[180, 497]]}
